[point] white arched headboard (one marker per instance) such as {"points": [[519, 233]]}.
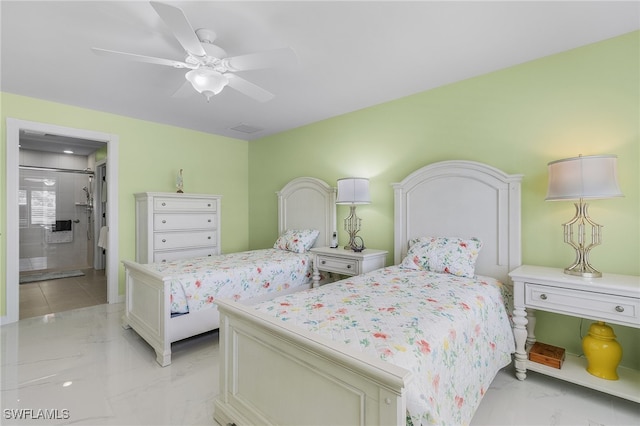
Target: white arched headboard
{"points": [[462, 199], [308, 203]]}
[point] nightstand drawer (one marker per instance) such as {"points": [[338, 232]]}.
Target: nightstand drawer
{"points": [[605, 307], [338, 265]]}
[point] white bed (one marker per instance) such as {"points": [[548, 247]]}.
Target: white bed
{"points": [[277, 372], [304, 203]]}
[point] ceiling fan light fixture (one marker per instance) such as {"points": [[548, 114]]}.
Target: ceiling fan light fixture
{"points": [[208, 65], [207, 81]]}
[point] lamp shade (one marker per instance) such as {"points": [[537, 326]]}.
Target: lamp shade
{"points": [[353, 190], [207, 81], [594, 176]]}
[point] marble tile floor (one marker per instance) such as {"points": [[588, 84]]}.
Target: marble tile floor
{"points": [[48, 297], [83, 364]]}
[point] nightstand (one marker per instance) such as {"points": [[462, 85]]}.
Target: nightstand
{"points": [[346, 262], [612, 298]]}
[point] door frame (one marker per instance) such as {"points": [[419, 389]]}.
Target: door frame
{"points": [[12, 254], [98, 212]]}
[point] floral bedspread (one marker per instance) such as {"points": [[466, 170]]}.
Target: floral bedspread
{"points": [[452, 333], [196, 283]]}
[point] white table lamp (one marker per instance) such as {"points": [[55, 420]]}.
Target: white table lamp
{"points": [[580, 178], [353, 191]]}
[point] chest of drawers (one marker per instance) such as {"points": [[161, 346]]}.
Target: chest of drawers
{"points": [[176, 226]]}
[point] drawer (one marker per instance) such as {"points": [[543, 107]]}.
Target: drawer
{"points": [[338, 265], [175, 240], [168, 256], [598, 306], [185, 204], [186, 221]]}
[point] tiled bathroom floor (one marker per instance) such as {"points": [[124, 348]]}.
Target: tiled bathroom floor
{"points": [[47, 297]]}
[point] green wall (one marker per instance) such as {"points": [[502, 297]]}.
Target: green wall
{"points": [[584, 101], [150, 156]]}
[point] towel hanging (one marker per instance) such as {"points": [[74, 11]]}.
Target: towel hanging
{"points": [[103, 238]]}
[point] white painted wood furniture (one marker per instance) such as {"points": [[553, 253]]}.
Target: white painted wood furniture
{"points": [[312, 380], [172, 226], [612, 298], [305, 202], [346, 262]]}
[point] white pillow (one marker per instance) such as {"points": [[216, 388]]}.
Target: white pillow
{"points": [[451, 255], [296, 240]]}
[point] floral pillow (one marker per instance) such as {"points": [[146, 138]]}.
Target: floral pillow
{"points": [[451, 255], [297, 240]]}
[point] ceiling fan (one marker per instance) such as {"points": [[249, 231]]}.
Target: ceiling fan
{"points": [[210, 70]]}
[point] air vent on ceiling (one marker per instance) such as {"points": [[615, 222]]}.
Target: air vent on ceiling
{"points": [[245, 128]]}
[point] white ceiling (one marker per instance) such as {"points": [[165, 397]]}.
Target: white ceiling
{"points": [[351, 54]]}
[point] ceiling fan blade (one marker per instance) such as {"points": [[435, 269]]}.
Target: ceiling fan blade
{"points": [[139, 58], [180, 26], [270, 59], [247, 88]]}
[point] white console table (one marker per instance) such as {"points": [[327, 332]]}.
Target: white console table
{"points": [[612, 298]]}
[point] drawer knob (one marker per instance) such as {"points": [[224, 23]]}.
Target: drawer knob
{"points": [[619, 308], [209, 205], [209, 220], [323, 262], [164, 240], [164, 261], [164, 221], [164, 204], [209, 237], [543, 296], [348, 266]]}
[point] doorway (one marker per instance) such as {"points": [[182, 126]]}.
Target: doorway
{"points": [[56, 203], [14, 129]]}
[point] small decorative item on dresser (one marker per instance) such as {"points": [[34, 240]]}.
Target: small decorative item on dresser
{"points": [[180, 183], [550, 355], [602, 350]]}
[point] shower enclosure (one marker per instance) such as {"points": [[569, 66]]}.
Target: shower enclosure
{"points": [[56, 218]]}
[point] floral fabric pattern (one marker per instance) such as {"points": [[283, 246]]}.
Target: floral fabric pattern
{"points": [[198, 282], [453, 333], [450, 255], [297, 240]]}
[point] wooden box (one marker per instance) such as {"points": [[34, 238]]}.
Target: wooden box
{"points": [[542, 353]]}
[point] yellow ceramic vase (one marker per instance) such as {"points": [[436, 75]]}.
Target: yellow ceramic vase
{"points": [[602, 350]]}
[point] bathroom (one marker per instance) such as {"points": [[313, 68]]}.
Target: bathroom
{"points": [[61, 200]]}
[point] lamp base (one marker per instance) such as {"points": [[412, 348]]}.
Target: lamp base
{"points": [[353, 245], [581, 267], [584, 271], [352, 226]]}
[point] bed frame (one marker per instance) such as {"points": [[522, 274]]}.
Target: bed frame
{"points": [[273, 373], [305, 202]]}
